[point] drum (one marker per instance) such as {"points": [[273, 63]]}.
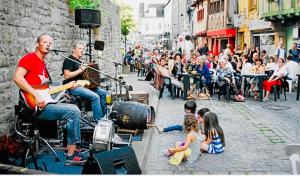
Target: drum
{"points": [[103, 133], [92, 76]]}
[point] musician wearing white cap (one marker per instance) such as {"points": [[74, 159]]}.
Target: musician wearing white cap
{"points": [[72, 71]]}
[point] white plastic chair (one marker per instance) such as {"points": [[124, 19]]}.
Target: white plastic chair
{"points": [[293, 150]]}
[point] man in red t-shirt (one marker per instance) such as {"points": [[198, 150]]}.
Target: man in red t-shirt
{"points": [[31, 73]]}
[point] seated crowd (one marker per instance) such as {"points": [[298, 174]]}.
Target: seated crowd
{"points": [[212, 71]]}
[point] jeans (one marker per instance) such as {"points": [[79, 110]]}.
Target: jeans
{"points": [[172, 128], [68, 112], [96, 96]]}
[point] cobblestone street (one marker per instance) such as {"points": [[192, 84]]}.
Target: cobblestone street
{"points": [[255, 135]]}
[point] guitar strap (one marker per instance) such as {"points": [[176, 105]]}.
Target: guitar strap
{"points": [[50, 80]]}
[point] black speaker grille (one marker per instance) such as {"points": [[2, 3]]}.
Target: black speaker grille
{"points": [[87, 18]]}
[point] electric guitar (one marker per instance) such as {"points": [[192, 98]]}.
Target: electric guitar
{"points": [[46, 93]]}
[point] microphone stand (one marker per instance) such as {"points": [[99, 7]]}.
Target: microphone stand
{"points": [[120, 81], [81, 63], [116, 74]]}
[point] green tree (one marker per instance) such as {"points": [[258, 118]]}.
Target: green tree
{"points": [[127, 22], [86, 4]]}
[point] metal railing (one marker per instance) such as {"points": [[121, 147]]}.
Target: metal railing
{"points": [[278, 5]]}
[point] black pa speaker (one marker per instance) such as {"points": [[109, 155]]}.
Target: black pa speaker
{"points": [[119, 161], [99, 45], [87, 18]]}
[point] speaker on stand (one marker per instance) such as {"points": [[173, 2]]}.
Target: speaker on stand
{"points": [[88, 18]]}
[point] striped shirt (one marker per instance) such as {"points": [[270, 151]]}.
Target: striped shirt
{"points": [[216, 145]]}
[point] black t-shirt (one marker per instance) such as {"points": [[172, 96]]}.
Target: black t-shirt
{"points": [[71, 66]]}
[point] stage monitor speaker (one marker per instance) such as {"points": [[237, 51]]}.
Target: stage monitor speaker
{"points": [[99, 45], [87, 18], [119, 161]]}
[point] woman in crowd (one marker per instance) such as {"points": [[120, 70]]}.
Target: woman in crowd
{"points": [[215, 62], [202, 69], [271, 65], [275, 79], [258, 68], [225, 76], [245, 66]]}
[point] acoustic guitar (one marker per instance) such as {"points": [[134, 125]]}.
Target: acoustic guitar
{"points": [[46, 93]]}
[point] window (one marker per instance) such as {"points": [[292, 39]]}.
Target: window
{"points": [[252, 4], [217, 6], [159, 26], [200, 15]]}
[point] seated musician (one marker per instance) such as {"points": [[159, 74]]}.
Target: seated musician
{"points": [[30, 75], [72, 71]]}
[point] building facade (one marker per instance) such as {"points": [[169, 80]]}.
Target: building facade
{"points": [[284, 14], [182, 21], [151, 24], [221, 29], [200, 21]]}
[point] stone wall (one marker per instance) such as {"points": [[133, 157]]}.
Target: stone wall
{"points": [[21, 21]]}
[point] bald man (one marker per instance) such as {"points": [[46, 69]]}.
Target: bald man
{"points": [[30, 75]]}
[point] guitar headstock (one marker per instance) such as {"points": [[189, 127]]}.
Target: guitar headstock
{"points": [[83, 82]]}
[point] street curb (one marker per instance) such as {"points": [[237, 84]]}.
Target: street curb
{"points": [[154, 94], [142, 148]]}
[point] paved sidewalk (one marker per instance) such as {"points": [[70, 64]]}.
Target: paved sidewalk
{"points": [[141, 148], [255, 134]]}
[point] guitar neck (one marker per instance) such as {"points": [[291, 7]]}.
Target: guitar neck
{"points": [[59, 89]]}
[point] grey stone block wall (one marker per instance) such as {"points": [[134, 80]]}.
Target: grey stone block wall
{"points": [[21, 21]]}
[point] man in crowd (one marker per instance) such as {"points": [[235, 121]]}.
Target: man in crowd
{"points": [[72, 71], [294, 52], [280, 51]]}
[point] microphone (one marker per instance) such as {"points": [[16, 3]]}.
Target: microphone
{"points": [[57, 51], [87, 54]]}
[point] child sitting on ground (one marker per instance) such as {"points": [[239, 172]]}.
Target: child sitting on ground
{"points": [[189, 107], [215, 141], [200, 118], [190, 149]]}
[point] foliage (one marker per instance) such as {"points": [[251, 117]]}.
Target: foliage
{"points": [[127, 21], [85, 4]]}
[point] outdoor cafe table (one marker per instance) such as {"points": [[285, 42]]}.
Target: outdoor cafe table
{"points": [[186, 82], [298, 87], [260, 82]]}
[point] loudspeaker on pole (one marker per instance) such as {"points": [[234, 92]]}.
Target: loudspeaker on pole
{"points": [[87, 18]]}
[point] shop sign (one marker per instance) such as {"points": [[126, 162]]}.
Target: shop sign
{"points": [[238, 20], [259, 24]]}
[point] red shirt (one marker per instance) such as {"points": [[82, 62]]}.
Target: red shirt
{"points": [[37, 74]]}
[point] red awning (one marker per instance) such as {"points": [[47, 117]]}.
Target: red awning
{"points": [[201, 34], [228, 32]]}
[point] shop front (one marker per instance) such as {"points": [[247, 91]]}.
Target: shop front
{"points": [[263, 35], [218, 39]]}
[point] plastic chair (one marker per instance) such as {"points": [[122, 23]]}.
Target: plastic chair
{"points": [[293, 150], [167, 83]]}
